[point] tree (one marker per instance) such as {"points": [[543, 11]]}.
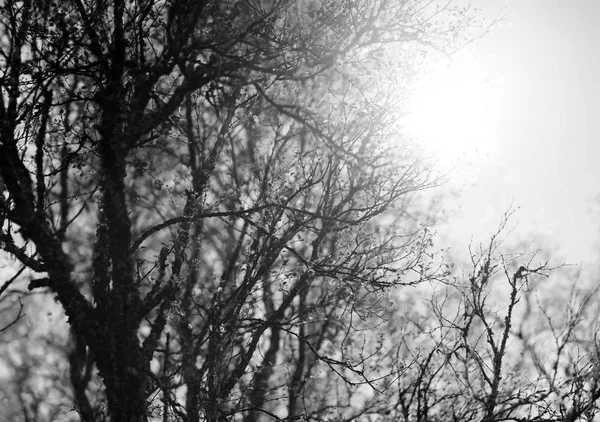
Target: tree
{"points": [[505, 342], [202, 184]]}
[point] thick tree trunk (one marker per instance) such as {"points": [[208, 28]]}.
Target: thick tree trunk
{"points": [[125, 394]]}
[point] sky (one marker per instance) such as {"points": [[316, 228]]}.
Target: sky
{"points": [[546, 132]]}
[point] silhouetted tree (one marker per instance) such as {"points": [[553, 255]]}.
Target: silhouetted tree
{"points": [[213, 190], [502, 342]]}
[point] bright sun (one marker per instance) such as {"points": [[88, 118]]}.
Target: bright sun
{"points": [[455, 110]]}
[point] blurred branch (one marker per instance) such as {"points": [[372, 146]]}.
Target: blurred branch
{"points": [[8, 282], [20, 315]]}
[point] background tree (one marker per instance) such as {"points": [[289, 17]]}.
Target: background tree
{"points": [[503, 342], [214, 191]]}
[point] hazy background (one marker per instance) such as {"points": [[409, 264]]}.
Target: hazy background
{"points": [[545, 158]]}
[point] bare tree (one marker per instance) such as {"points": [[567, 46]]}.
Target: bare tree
{"points": [[213, 192], [502, 342]]}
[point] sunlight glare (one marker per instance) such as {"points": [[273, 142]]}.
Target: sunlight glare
{"points": [[455, 110]]}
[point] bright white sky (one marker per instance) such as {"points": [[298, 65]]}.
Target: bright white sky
{"points": [[544, 124]]}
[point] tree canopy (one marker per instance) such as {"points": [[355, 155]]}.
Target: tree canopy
{"points": [[218, 195]]}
